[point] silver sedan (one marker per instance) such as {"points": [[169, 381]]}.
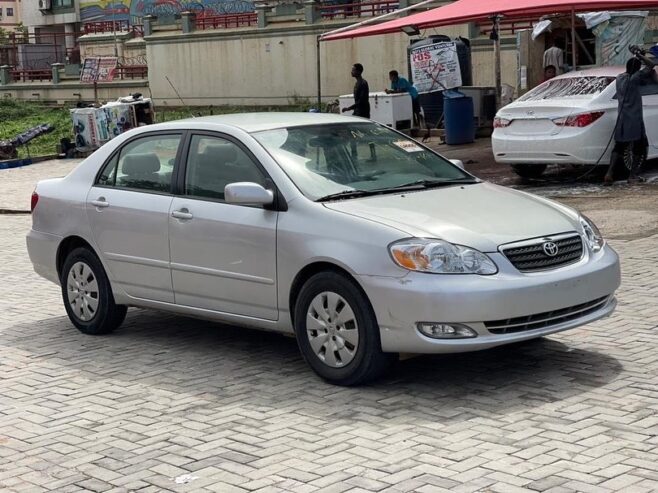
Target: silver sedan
{"points": [[358, 240]]}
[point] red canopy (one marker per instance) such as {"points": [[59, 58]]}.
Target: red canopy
{"points": [[463, 11]]}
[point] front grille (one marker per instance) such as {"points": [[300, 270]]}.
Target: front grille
{"points": [[546, 319], [530, 256]]}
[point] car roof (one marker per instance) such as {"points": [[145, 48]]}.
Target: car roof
{"points": [[256, 122]]}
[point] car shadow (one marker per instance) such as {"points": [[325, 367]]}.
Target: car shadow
{"points": [[264, 370]]}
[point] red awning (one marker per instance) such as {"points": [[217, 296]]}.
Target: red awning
{"points": [[463, 11]]}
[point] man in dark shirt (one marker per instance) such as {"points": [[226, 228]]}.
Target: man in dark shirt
{"points": [[361, 106], [630, 135]]}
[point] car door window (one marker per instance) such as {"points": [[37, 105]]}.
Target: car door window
{"points": [[213, 163], [143, 164]]}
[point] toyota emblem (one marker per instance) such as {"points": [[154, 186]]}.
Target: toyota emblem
{"points": [[550, 249]]}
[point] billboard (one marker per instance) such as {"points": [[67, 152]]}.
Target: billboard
{"points": [[435, 67]]}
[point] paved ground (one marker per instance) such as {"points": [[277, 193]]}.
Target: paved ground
{"points": [[169, 399]]}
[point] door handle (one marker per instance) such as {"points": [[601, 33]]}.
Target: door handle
{"points": [[182, 214], [100, 203]]}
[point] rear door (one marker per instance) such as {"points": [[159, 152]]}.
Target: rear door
{"points": [[128, 209]]}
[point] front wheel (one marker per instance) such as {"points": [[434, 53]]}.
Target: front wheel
{"points": [[88, 295], [337, 331], [529, 170]]}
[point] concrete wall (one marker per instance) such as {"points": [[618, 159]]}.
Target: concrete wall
{"points": [[67, 92], [267, 66], [32, 16]]}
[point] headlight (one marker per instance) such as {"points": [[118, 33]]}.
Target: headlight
{"points": [[593, 236], [440, 257]]}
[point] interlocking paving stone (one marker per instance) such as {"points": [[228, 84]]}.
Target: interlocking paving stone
{"points": [[166, 396]]}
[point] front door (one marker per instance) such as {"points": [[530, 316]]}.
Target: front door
{"points": [[223, 256], [128, 209]]}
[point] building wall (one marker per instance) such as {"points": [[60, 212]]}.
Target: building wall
{"points": [[278, 66], [32, 16], [7, 22]]}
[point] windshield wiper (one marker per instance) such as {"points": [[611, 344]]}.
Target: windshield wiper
{"points": [[348, 194], [422, 184]]}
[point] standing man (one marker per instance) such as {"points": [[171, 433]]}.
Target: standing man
{"points": [[361, 106], [402, 85], [554, 56], [630, 134]]}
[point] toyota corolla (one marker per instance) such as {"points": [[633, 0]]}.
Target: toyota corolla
{"points": [[357, 240]]}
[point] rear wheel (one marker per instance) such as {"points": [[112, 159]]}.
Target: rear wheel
{"points": [[337, 331], [529, 170], [88, 295]]}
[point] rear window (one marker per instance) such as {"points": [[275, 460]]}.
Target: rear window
{"points": [[570, 86]]}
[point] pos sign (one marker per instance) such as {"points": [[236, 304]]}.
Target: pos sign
{"points": [[435, 67]]}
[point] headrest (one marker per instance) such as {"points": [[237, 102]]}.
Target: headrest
{"points": [[221, 153], [141, 164]]}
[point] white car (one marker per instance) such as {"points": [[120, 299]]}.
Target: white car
{"points": [[349, 235], [567, 120]]}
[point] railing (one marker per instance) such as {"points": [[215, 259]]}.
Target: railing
{"points": [[27, 75], [330, 10], [132, 72], [227, 21], [104, 27]]}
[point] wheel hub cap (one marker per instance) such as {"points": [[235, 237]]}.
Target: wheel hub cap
{"points": [[82, 291], [332, 329]]}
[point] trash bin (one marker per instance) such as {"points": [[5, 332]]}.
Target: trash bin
{"points": [[459, 118]]}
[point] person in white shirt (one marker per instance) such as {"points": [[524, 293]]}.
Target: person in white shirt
{"points": [[554, 56]]}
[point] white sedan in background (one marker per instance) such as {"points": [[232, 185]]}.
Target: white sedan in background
{"points": [[567, 120]]}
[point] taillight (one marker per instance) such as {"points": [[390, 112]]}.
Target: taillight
{"points": [[581, 120], [501, 122], [34, 201]]}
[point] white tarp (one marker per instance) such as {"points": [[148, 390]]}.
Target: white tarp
{"points": [[616, 34], [540, 28], [435, 67]]}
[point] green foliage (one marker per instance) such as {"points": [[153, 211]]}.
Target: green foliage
{"points": [[18, 116]]}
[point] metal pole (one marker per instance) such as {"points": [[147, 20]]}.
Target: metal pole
{"points": [[573, 38], [319, 71], [114, 30], [497, 70]]}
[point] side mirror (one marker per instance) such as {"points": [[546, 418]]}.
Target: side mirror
{"points": [[246, 193], [458, 163]]}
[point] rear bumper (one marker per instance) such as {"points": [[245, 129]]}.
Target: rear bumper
{"points": [[42, 249], [557, 149], [473, 301]]}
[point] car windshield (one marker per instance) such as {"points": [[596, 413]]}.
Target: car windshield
{"points": [[346, 160], [568, 87]]}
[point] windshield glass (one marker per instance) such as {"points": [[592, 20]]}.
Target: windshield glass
{"points": [[327, 159], [568, 87]]}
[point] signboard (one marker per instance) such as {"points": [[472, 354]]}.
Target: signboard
{"points": [[98, 69], [435, 67]]}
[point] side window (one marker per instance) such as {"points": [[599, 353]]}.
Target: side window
{"points": [[213, 163], [143, 164], [650, 89]]}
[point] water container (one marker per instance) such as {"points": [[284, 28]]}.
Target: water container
{"points": [[459, 118]]}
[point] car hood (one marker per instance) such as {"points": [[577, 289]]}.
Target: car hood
{"points": [[481, 216]]}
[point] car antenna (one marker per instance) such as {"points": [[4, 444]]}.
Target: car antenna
{"points": [[177, 94]]}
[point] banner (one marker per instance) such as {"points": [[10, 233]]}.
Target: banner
{"points": [[98, 69], [435, 67]]}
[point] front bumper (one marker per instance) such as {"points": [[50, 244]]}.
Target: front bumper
{"points": [[471, 300]]}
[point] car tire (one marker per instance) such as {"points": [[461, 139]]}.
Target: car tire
{"points": [[337, 331], [87, 294], [529, 171], [626, 160]]}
